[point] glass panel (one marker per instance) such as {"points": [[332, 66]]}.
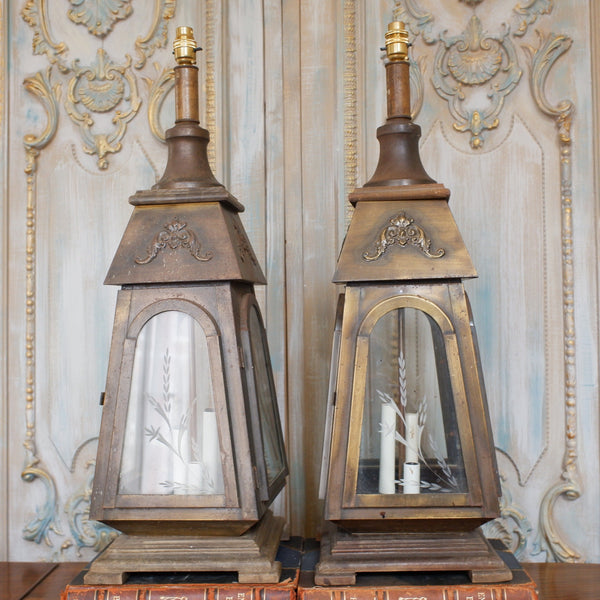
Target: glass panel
{"points": [[266, 398], [171, 437], [410, 441]]}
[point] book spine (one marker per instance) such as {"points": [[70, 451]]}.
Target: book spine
{"points": [[175, 592], [421, 593]]}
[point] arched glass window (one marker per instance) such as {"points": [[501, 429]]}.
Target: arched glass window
{"points": [[409, 436], [171, 442]]}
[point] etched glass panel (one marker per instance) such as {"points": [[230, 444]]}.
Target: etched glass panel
{"points": [[171, 441], [266, 399], [410, 442]]}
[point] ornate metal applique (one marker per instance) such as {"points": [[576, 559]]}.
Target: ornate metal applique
{"points": [[403, 231], [245, 251], [175, 235]]}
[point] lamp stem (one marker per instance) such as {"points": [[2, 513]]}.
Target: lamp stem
{"points": [[397, 71], [186, 76]]}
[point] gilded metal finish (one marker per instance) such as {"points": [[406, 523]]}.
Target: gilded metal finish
{"points": [[544, 55], [184, 46], [390, 530], [164, 268], [396, 41], [175, 234], [403, 231]]}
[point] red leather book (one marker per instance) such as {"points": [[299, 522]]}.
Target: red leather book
{"points": [[196, 586], [416, 586]]}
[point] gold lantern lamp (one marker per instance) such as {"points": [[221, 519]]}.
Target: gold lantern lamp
{"points": [[191, 451], [409, 464]]}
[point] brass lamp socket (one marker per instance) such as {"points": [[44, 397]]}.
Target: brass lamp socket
{"points": [[184, 46], [396, 42]]}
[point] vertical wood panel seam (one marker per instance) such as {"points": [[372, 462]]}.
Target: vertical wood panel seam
{"points": [[294, 234], [4, 548]]}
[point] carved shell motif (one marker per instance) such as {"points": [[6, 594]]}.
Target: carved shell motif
{"points": [[475, 59], [100, 87], [99, 16]]}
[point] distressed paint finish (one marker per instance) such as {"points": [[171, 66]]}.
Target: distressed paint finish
{"points": [[515, 197], [292, 96], [4, 441]]}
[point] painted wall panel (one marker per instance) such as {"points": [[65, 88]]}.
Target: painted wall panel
{"points": [[292, 92]]}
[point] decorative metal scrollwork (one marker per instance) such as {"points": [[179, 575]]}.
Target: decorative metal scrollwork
{"points": [[402, 231], [175, 235]]}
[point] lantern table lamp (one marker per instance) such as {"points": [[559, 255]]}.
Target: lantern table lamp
{"points": [[191, 450], [409, 463]]}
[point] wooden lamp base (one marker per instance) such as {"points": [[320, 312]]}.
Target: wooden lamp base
{"points": [[251, 555], [343, 555]]}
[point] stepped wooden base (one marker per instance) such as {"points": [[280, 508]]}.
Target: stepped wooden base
{"points": [[251, 555], [343, 555]]}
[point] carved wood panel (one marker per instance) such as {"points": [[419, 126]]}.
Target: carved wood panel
{"points": [[292, 93]]}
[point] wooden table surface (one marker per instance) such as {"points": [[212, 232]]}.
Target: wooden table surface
{"points": [[45, 581]]}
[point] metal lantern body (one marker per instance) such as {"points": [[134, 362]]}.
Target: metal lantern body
{"points": [[410, 469], [191, 451]]}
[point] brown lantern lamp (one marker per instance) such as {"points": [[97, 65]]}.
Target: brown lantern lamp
{"points": [[409, 465], [191, 450]]}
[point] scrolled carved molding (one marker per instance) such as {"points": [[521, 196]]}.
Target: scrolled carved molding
{"points": [[158, 90], [99, 16], [41, 87], [157, 34], [104, 91], [542, 57], [526, 14], [551, 47], [470, 60], [34, 13], [46, 515], [418, 21], [99, 88], [512, 526], [85, 532]]}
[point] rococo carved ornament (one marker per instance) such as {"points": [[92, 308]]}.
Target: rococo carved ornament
{"points": [[550, 49], [542, 59], [175, 235], [105, 87], [403, 231], [101, 88], [99, 16], [471, 59]]}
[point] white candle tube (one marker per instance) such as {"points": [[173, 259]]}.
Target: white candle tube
{"points": [[412, 437], [211, 454], [387, 450], [412, 478]]}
